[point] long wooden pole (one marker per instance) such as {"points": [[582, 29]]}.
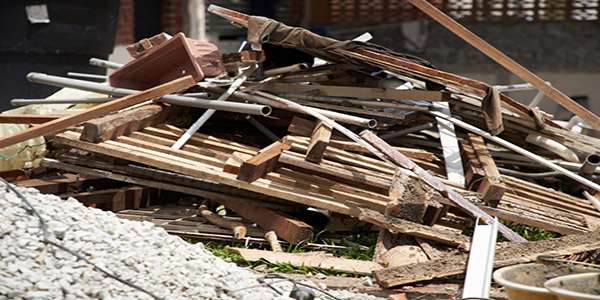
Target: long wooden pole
{"points": [[97, 111], [507, 62]]}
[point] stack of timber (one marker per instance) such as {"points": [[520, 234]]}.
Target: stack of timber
{"points": [[381, 151]]}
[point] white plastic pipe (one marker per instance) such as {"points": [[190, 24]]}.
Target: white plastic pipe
{"points": [[208, 113], [552, 145], [519, 150]]}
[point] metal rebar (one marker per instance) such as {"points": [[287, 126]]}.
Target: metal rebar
{"points": [[244, 108], [268, 133], [264, 99], [407, 131]]}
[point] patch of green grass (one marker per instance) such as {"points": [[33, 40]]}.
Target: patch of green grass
{"points": [[354, 251], [530, 233]]}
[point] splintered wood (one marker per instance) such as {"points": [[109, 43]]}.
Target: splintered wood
{"points": [[290, 176]]}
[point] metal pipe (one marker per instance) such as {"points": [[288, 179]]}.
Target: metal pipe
{"points": [[198, 95], [268, 133], [23, 102], [514, 87], [244, 108], [288, 69], [593, 200], [527, 175], [85, 75], [589, 165], [519, 150], [552, 145], [537, 99], [337, 100], [104, 63], [407, 131], [209, 112], [272, 100]]}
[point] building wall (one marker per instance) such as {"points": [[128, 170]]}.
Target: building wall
{"points": [[172, 14]]}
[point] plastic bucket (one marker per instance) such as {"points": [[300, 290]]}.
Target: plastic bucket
{"points": [[519, 282], [584, 286]]}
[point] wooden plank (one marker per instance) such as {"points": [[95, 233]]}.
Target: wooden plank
{"points": [[347, 175], [329, 188], [123, 123], [163, 183], [471, 164], [507, 62], [301, 126], [239, 230], [116, 199], [234, 162], [193, 168], [285, 226], [218, 155], [509, 254], [61, 183], [403, 161], [262, 163], [519, 216], [408, 198], [26, 119], [403, 255], [97, 111], [356, 92], [446, 237], [200, 140], [492, 186], [313, 259], [318, 142]]}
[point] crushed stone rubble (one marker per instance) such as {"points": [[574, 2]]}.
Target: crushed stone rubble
{"points": [[136, 251]]}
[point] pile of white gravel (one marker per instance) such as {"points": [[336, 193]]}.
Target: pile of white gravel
{"points": [[136, 251]]}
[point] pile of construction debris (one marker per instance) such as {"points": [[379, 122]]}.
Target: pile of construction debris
{"points": [[359, 135]]}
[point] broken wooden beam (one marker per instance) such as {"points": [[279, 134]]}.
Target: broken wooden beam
{"points": [[446, 237], [509, 254], [285, 226], [403, 161], [471, 164], [318, 142], [118, 199], [27, 119], [262, 163], [111, 126], [492, 186]]}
